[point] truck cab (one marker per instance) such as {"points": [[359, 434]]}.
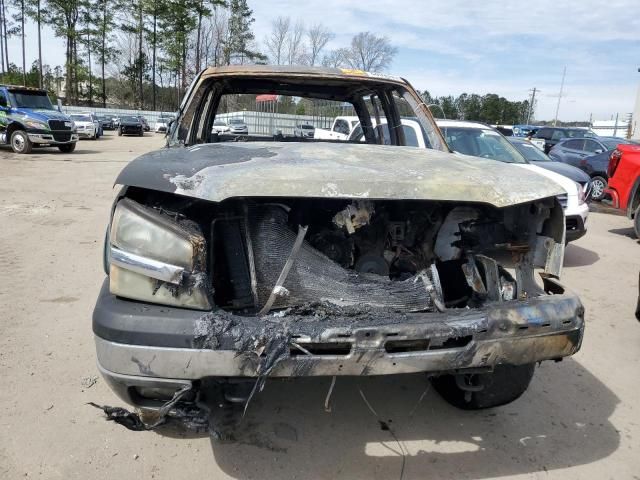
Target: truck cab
{"points": [[28, 119]]}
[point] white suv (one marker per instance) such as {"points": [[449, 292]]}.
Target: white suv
{"points": [[480, 140]]}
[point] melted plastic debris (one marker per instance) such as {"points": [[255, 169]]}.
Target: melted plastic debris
{"points": [[122, 416]]}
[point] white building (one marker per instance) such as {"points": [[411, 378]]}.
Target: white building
{"points": [[611, 128], [635, 120]]}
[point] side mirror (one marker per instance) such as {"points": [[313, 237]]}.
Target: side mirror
{"points": [[597, 150]]}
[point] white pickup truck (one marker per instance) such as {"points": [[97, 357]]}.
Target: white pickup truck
{"points": [[340, 130]]}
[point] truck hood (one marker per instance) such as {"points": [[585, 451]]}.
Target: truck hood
{"points": [[219, 171], [41, 114]]}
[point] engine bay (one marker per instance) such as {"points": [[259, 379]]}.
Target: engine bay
{"points": [[272, 254], [402, 256]]}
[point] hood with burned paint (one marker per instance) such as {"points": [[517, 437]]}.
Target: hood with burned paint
{"points": [[219, 171]]}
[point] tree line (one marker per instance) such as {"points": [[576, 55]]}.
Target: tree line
{"points": [[489, 108], [143, 54]]}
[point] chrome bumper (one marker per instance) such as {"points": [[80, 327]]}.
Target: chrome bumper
{"points": [[47, 138], [516, 332]]}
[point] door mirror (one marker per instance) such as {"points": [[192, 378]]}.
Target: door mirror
{"points": [[597, 150], [3, 102]]}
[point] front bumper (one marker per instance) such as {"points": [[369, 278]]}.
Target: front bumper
{"points": [[142, 345], [131, 130], [576, 216], [49, 139], [86, 133]]}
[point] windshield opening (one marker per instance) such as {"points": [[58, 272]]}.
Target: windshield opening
{"points": [[130, 119], [278, 108], [30, 99]]}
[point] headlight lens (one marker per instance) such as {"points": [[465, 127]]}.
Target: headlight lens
{"points": [[150, 239], [36, 124]]}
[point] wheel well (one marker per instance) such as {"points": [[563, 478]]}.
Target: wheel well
{"points": [[634, 199], [598, 174], [13, 126]]}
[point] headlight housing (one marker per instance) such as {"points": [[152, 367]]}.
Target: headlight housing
{"points": [[151, 257], [36, 124]]}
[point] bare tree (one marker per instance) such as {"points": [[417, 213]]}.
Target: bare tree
{"points": [[335, 58], [295, 46], [370, 53], [277, 39], [318, 36]]}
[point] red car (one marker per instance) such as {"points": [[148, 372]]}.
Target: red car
{"points": [[624, 181]]}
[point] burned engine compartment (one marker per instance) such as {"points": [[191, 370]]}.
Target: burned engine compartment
{"points": [[267, 254]]}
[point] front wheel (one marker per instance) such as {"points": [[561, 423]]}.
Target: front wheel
{"points": [[485, 390], [20, 142], [598, 184], [67, 148], [636, 221]]}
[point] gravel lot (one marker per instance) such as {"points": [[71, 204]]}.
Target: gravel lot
{"points": [[580, 418]]}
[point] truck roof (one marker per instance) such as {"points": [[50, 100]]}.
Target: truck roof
{"points": [[22, 87], [290, 70]]}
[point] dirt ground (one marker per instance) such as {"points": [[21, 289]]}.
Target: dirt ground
{"points": [[580, 418]]}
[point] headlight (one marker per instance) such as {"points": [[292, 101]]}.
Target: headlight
{"points": [[582, 198], [36, 124], [154, 258]]}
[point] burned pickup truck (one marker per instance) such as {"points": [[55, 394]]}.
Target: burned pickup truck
{"points": [[231, 259]]}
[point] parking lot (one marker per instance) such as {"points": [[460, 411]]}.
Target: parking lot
{"points": [[579, 419]]}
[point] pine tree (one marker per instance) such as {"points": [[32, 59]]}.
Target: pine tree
{"points": [[238, 47]]}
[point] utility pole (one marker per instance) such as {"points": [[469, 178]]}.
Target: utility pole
{"points": [[39, 49], [532, 101], [615, 126], [564, 73], [2, 36], [6, 36], [24, 65]]}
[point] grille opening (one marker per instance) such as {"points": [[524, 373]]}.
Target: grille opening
{"points": [[400, 346], [335, 349], [453, 342]]}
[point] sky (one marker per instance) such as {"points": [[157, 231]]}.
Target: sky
{"points": [[455, 46]]}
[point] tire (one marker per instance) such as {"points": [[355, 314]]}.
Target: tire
{"points": [[20, 142], [119, 132], [598, 184], [504, 385], [141, 134], [636, 221], [67, 148]]}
